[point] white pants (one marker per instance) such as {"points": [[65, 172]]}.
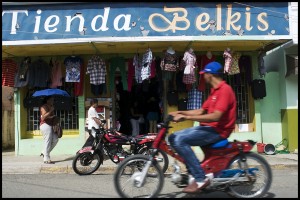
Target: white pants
{"points": [[135, 126], [50, 140]]}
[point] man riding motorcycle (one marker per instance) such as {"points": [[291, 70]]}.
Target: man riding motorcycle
{"points": [[217, 120]]}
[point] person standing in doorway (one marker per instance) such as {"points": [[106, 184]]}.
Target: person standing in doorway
{"points": [[46, 123], [152, 114], [135, 116], [93, 121]]}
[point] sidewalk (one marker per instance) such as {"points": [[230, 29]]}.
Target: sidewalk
{"points": [[12, 164]]}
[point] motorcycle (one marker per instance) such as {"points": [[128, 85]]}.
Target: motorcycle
{"points": [[109, 145], [230, 166]]}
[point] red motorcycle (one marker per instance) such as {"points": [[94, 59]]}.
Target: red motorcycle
{"points": [[231, 167], [109, 145]]}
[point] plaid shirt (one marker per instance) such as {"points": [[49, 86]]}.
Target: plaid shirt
{"points": [[97, 69], [189, 78], [194, 99]]}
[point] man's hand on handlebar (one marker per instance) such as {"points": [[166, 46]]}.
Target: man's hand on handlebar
{"points": [[178, 118]]}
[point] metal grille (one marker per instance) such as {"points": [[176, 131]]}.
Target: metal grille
{"points": [[68, 119], [242, 94]]}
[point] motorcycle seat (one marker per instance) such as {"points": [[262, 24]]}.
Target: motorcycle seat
{"points": [[221, 143]]}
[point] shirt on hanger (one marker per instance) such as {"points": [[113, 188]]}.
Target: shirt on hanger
{"points": [[234, 69], [228, 61], [170, 62], [40, 71], [194, 99], [190, 61], [138, 68], [73, 65], [56, 76], [9, 68], [147, 60], [97, 69]]}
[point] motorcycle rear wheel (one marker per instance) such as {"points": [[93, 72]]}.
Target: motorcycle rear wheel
{"points": [[128, 173], [86, 163], [261, 179]]}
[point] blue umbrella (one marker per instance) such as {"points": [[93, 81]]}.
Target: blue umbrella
{"points": [[50, 92]]}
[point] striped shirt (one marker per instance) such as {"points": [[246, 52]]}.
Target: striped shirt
{"points": [[9, 69]]}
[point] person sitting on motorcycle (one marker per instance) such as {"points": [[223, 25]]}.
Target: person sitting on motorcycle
{"points": [[93, 121], [217, 118]]}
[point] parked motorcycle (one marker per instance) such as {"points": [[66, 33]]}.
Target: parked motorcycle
{"points": [[108, 145], [230, 166]]}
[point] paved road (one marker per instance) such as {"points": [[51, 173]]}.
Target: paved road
{"points": [[285, 185]]}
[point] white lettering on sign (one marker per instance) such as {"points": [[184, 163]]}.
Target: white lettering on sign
{"points": [[47, 24], [69, 20], [168, 19], [230, 20], [14, 20], [126, 25], [37, 22], [104, 18]]}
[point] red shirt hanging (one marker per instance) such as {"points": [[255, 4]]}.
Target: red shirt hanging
{"points": [[9, 69]]}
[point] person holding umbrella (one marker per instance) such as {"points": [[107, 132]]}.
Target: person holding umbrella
{"points": [[47, 118]]}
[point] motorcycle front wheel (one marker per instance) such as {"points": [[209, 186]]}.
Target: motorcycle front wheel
{"points": [[161, 158], [86, 163], [259, 177], [128, 175]]}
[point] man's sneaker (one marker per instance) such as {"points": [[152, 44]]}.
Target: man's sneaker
{"points": [[196, 186]]}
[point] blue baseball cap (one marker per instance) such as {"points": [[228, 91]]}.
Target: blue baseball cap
{"points": [[212, 68]]}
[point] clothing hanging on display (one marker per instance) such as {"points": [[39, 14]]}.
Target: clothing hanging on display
{"points": [[19, 83], [117, 62], [234, 69], [138, 68], [228, 60], [194, 99], [190, 62], [147, 60], [40, 72], [96, 68], [24, 67], [170, 61], [261, 64], [9, 69], [73, 67], [56, 74], [153, 69]]}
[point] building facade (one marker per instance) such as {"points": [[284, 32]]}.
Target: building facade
{"points": [[55, 31]]}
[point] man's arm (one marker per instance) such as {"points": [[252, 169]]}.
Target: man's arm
{"points": [[211, 117], [200, 111]]}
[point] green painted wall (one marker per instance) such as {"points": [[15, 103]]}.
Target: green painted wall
{"points": [[270, 110], [288, 99]]}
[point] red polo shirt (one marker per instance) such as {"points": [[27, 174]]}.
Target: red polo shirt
{"points": [[222, 99]]}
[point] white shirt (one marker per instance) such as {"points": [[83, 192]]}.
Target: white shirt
{"points": [[91, 123]]}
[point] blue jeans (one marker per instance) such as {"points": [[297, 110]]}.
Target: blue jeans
{"points": [[182, 141]]}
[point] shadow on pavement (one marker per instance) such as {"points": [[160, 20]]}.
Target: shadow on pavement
{"points": [[67, 159]]}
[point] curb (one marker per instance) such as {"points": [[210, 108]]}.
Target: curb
{"points": [[107, 169]]}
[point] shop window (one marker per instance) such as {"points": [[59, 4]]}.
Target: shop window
{"points": [[69, 118]]}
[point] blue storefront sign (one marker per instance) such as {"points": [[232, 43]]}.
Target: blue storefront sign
{"points": [[90, 20]]}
